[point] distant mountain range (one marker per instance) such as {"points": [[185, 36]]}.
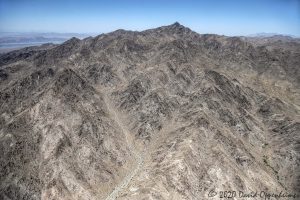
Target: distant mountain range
{"points": [[270, 35], [46, 35], [4, 40], [12, 41]]}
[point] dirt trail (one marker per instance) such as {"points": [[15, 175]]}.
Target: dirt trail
{"points": [[136, 154]]}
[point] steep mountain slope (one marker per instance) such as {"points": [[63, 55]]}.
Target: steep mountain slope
{"points": [[164, 113]]}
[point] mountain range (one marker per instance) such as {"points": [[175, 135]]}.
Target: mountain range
{"points": [[164, 113], [10, 41]]}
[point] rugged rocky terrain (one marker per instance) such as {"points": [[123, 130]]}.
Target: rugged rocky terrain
{"points": [[165, 113]]}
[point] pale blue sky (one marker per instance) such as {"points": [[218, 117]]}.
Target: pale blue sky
{"points": [[229, 17]]}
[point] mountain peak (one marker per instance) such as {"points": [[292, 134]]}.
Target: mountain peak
{"points": [[176, 24], [177, 28], [71, 41]]}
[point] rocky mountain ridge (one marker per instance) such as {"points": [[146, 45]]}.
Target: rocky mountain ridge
{"points": [[205, 112]]}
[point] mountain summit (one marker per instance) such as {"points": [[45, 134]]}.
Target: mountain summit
{"points": [[164, 113], [176, 24]]}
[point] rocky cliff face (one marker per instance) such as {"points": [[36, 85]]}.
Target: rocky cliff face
{"points": [[164, 113]]}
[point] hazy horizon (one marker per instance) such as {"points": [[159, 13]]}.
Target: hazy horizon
{"points": [[219, 17], [88, 34]]}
